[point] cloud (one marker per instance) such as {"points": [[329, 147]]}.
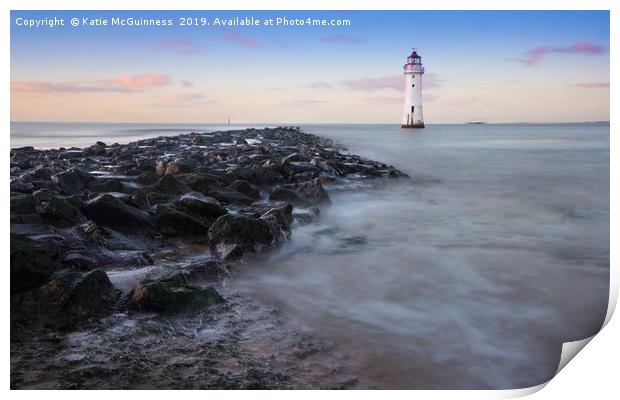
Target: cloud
{"points": [[460, 100], [396, 82], [343, 39], [302, 102], [319, 85], [135, 83], [385, 82], [383, 100], [537, 54], [181, 100], [245, 41], [592, 85], [181, 46], [187, 84], [125, 83]]}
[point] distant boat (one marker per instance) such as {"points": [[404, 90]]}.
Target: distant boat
{"points": [[480, 121]]}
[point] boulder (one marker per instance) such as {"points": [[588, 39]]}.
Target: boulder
{"points": [[246, 188], [168, 184], [104, 185], [31, 264], [180, 166], [313, 192], [230, 196], [69, 298], [22, 203], [89, 294], [171, 297], [61, 209], [172, 222], [203, 206], [287, 195], [245, 231], [72, 181], [199, 182], [107, 210]]}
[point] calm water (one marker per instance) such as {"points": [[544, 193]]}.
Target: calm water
{"points": [[471, 278]]}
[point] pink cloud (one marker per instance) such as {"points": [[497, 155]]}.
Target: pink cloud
{"points": [[460, 100], [537, 54], [125, 83], [181, 100], [302, 103], [396, 82], [181, 46], [592, 85], [242, 40], [319, 85], [138, 82], [343, 39]]}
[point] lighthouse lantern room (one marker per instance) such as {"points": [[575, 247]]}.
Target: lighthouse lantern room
{"points": [[412, 113]]}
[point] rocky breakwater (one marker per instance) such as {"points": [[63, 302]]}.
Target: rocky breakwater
{"points": [[79, 214]]}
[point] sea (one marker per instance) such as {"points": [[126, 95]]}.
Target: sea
{"points": [[470, 275]]}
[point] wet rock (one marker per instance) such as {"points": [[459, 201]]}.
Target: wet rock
{"points": [[206, 269], [203, 206], [172, 222], [245, 231], [31, 264], [245, 187], [230, 196], [22, 204], [22, 187], [180, 166], [68, 299], [168, 184], [79, 260], [72, 181], [107, 210], [98, 149], [147, 178], [141, 200], [279, 219], [89, 294], [199, 182], [287, 195], [42, 195], [60, 209], [313, 192], [171, 297], [104, 185]]}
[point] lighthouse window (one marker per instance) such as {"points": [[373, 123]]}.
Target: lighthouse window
{"points": [[412, 109], [412, 85]]}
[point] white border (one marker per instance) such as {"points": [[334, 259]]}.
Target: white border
{"points": [[593, 374]]}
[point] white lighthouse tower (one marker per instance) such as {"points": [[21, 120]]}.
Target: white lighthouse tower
{"points": [[412, 113]]}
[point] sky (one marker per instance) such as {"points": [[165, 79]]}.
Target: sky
{"points": [[496, 66]]}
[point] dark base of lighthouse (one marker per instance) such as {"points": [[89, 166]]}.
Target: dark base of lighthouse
{"points": [[412, 126]]}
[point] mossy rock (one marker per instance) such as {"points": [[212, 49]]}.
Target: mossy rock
{"points": [[242, 230], [61, 209], [107, 210], [173, 222], [31, 265], [171, 297]]}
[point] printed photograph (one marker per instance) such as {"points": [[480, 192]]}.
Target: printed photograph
{"points": [[306, 199]]}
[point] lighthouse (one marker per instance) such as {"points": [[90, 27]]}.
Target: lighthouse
{"points": [[412, 112]]}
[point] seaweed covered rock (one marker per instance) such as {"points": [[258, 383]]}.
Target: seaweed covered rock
{"points": [[171, 297], [69, 298], [172, 222], [245, 231], [200, 205], [31, 264], [107, 210]]}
